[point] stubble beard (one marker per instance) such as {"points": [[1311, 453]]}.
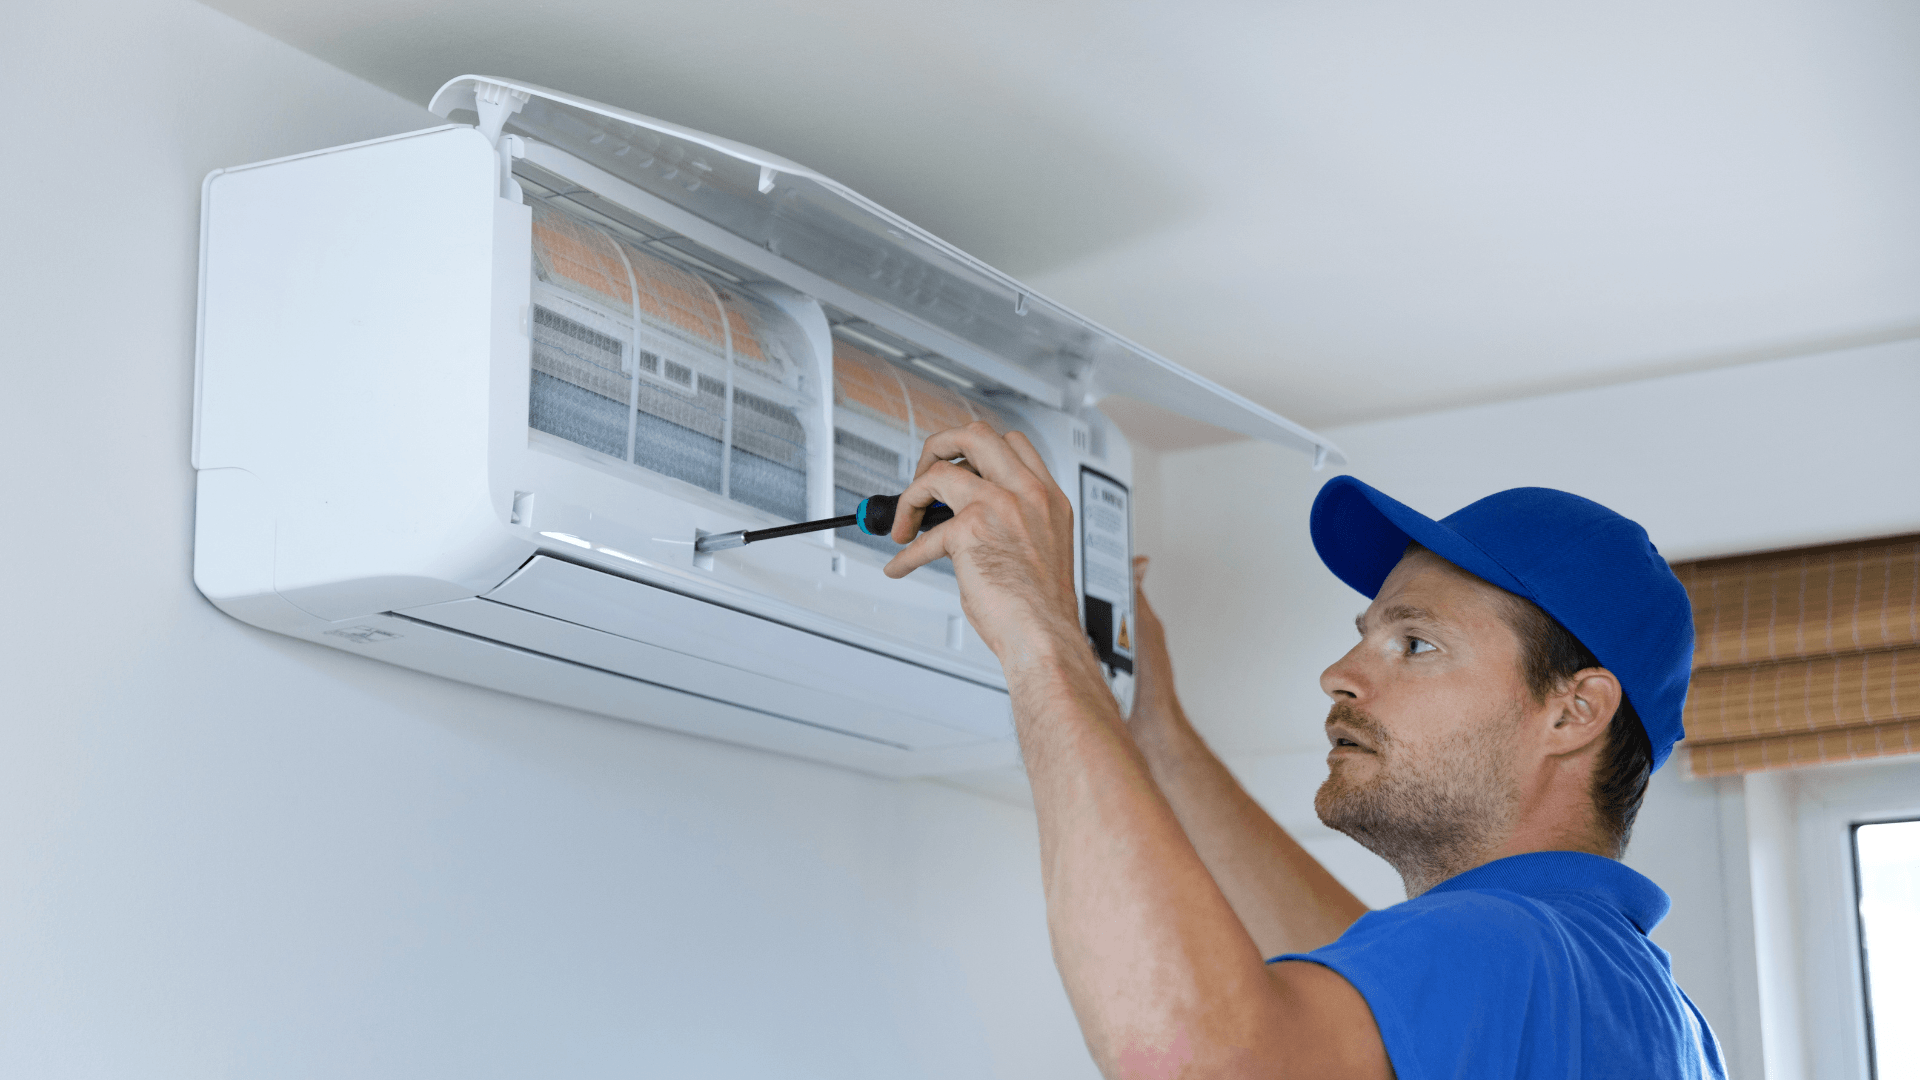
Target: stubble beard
{"points": [[1431, 813]]}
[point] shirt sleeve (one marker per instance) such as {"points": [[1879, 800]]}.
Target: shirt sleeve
{"points": [[1457, 983]]}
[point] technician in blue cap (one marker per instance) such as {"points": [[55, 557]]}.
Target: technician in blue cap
{"points": [[1520, 673]]}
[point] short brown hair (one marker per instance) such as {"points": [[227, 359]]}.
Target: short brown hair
{"points": [[1549, 656]]}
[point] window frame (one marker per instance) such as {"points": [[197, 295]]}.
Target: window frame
{"points": [[1830, 802], [1865, 983]]}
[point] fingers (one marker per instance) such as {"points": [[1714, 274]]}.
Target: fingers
{"points": [[930, 545], [961, 466], [1029, 456], [974, 449], [1145, 611], [1023, 449], [986, 452], [944, 482], [1153, 694]]}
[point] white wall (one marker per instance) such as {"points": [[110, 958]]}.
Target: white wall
{"points": [[226, 853], [1761, 456]]}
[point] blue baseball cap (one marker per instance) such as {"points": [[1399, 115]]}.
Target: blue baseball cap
{"points": [[1588, 567]]}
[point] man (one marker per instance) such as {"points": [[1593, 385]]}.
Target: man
{"points": [[1478, 746]]}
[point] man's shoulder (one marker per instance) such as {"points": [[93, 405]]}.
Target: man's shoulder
{"points": [[1486, 980], [1469, 941], [1458, 981], [1493, 919]]}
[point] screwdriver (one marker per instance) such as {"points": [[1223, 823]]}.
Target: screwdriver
{"points": [[874, 516]]}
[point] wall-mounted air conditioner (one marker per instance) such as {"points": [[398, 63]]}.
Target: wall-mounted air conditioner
{"points": [[465, 398]]}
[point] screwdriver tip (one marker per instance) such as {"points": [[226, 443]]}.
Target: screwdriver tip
{"points": [[721, 541]]}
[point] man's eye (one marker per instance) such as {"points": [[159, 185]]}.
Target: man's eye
{"points": [[1416, 646]]}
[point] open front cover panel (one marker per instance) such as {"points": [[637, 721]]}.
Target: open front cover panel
{"points": [[832, 231], [810, 221]]}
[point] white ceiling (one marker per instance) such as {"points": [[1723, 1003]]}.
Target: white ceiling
{"points": [[1344, 210]]}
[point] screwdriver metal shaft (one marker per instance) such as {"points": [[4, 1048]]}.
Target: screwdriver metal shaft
{"points": [[874, 517]]}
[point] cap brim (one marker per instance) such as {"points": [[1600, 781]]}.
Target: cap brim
{"points": [[1362, 534]]}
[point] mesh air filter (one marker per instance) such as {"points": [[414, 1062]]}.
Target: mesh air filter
{"points": [[633, 357]]}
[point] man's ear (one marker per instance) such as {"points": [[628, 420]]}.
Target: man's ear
{"points": [[1582, 709]]}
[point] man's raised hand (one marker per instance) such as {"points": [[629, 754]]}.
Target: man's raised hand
{"points": [[1011, 537]]}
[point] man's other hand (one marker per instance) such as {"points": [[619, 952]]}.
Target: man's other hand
{"points": [[1153, 696]]}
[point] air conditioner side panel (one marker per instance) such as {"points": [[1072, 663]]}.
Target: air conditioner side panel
{"points": [[351, 323], [233, 551]]}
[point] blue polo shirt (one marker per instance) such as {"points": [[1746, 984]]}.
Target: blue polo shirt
{"points": [[1531, 966]]}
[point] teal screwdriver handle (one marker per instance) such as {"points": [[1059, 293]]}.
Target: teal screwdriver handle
{"points": [[875, 514]]}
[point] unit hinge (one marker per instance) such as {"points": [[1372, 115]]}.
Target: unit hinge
{"points": [[495, 103]]}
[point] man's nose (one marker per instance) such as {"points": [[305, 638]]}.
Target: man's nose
{"points": [[1344, 679]]}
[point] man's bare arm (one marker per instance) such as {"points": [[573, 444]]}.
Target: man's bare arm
{"points": [[1285, 898], [1164, 978]]}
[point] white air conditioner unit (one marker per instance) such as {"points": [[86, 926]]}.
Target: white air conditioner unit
{"points": [[465, 398]]}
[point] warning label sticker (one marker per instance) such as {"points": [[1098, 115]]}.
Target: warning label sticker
{"points": [[1106, 567]]}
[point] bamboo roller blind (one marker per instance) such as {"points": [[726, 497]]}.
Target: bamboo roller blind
{"points": [[1804, 656]]}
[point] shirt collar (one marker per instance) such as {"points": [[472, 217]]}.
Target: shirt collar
{"points": [[1543, 873]]}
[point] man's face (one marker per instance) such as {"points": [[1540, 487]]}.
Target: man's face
{"points": [[1426, 712]]}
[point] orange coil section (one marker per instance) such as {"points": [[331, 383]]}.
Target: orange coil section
{"points": [[898, 398], [672, 297], [583, 259], [580, 258], [745, 322], [936, 408]]}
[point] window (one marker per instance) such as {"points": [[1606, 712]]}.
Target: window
{"points": [[1887, 881]]}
